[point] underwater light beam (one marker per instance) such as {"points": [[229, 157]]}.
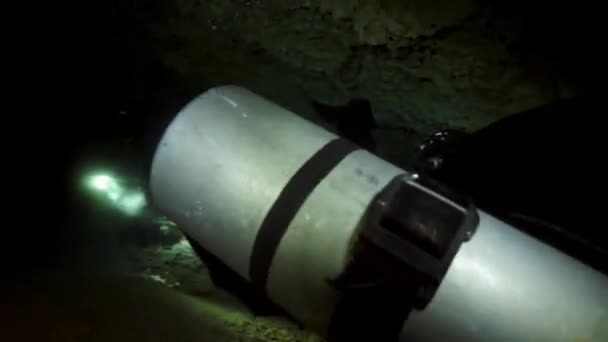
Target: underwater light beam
{"points": [[101, 182], [129, 201]]}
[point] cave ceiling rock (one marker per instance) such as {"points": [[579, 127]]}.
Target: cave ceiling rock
{"points": [[424, 65]]}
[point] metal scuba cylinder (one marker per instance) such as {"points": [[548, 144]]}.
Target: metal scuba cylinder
{"points": [[348, 243]]}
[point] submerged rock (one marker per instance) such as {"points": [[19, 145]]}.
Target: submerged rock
{"points": [[65, 307]]}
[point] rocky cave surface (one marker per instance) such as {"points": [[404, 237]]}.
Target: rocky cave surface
{"points": [[424, 65], [172, 262]]}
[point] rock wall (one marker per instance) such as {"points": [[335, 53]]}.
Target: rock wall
{"points": [[424, 65]]}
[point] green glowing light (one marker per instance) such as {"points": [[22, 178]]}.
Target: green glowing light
{"points": [[101, 182], [114, 195], [131, 204], [129, 201]]}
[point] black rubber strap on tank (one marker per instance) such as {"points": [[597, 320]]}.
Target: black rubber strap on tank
{"points": [[282, 212]]}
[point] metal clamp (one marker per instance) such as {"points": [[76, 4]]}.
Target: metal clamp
{"points": [[420, 224]]}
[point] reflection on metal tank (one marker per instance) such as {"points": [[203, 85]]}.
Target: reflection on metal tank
{"points": [[229, 172]]}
